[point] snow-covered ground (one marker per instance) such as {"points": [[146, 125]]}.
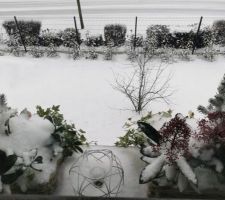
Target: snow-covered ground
{"points": [[83, 89]]}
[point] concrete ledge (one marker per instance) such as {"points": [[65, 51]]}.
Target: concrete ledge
{"points": [[45, 197]]}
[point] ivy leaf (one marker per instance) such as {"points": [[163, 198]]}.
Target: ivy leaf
{"points": [[56, 108], [78, 148], [8, 163], [2, 160], [39, 159], [10, 178], [81, 131], [48, 117], [56, 136], [60, 129]]}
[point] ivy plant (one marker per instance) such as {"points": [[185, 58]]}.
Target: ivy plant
{"points": [[134, 136], [69, 138], [9, 176]]}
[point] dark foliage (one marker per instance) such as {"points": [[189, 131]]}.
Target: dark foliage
{"points": [[65, 134], [69, 37], [30, 30], [94, 41], [219, 29], [115, 33], [175, 134], [212, 128], [159, 32], [138, 42], [47, 38]]}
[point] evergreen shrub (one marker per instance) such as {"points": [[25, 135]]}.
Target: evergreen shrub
{"points": [[115, 33]]}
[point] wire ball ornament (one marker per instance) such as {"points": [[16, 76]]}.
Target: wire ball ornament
{"points": [[97, 173]]}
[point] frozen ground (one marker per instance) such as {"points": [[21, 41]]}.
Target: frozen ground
{"points": [[83, 89]]}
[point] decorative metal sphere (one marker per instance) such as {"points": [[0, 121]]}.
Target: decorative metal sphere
{"points": [[97, 173]]}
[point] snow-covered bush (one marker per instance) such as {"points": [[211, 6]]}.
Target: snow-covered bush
{"points": [[167, 55], [18, 154], [65, 138], [14, 47], [209, 53], [219, 29], [176, 153], [30, 30], [75, 52], [212, 128], [36, 52], [51, 51], [138, 41], [6, 114], [184, 53], [209, 40], [91, 53], [94, 40], [115, 33], [182, 39], [48, 37], [159, 33], [69, 37], [131, 54], [2, 53], [13, 166], [108, 52], [217, 103], [133, 136]]}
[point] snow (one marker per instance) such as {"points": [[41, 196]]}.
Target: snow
{"points": [[129, 158], [27, 137], [84, 90], [186, 169], [151, 171]]}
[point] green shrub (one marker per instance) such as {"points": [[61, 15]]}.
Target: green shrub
{"points": [[47, 38], [134, 136], [219, 29], [30, 30], [69, 37], [94, 41], [139, 40], [159, 33], [68, 137], [115, 33]]}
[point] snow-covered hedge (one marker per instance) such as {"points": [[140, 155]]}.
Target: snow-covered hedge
{"points": [[115, 33]]}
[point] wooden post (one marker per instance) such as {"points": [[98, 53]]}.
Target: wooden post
{"points": [[196, 36], [77, 32], [80, 14], [135, 33], [21, 37]]}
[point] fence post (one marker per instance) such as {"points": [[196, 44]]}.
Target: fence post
{"points": [[77, 32], [196, 36], [135, 33], [80, 14], [21, 37]]}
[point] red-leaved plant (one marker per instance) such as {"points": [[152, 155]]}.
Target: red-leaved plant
{"points": [[175, 137], [212, 128]]}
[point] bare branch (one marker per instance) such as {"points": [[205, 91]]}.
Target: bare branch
{"points": [[147, 83]]}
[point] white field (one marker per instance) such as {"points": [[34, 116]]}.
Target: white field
{"points": [[83, 89]]}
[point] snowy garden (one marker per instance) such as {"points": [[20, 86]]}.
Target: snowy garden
{"points": [[114, 114]]}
